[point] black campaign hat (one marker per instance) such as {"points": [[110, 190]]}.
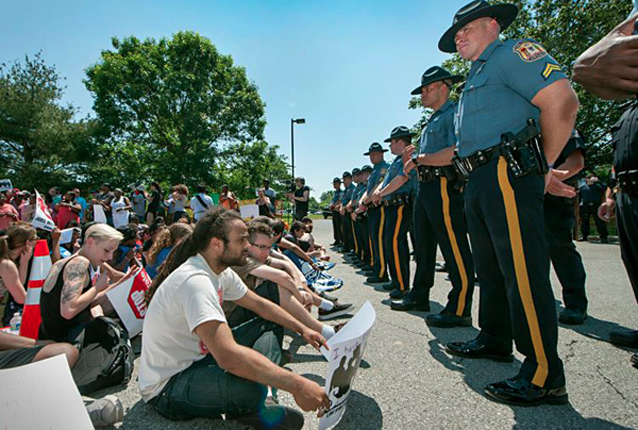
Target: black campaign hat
{"points": [[346, 175], [435, 74], [400, 131], [356, 171], [336, 180], [375, 147], [366, 168], [504, 13]]}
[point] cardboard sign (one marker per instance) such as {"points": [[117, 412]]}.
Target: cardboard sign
{"points": [[128, 300], [42, 395], [5, 185], [42, 218], [346, 350], [98, 214], [249, 212]]}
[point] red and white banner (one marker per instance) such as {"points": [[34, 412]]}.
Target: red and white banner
{"points": [[128, 300], [42, 218]]}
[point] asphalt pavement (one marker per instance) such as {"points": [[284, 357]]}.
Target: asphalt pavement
{"points": [[407, 380]]}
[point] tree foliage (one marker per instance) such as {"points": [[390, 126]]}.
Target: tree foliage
{"points": [[566, 29]]}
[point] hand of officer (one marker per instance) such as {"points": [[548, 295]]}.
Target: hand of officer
{"points": [[408, 166], [609, 68], [606, 210], [557, 188], [376, 198], [407, 153], [310, 396]]}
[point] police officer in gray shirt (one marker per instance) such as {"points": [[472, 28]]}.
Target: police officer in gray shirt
{"points": [[510, 83]]}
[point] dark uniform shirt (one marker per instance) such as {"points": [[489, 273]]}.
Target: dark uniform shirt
{"points": [[358, 193], [625, 140], [376, 177], [337, 196], [499, 90], [396, 169], [592, 193], [438, 134], [346, 195]]}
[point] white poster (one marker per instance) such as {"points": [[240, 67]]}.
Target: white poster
{"points": [[42, 395], [128, 300], [98, 214], [42, 218], [66, 236], [346, 350], [5, 185], [249, 212]]}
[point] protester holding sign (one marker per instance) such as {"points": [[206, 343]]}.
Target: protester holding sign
{"points": [[16, 248], [8, 214], [68, 210]]}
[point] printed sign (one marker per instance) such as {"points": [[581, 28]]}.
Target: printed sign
{"points": [[42, 218], [128, 300], [346, 350], [98, 214], [5, 185], [249, 212]]}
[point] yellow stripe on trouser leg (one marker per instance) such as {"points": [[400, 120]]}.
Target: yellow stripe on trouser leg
{"points": [[380, 247], [371, 250], [354, 235], [455, 247], [395, 247], [520, 268]]}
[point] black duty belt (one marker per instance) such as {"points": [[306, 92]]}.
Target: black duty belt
{"points": [[398, 200], [431, 173], [628, 182]]}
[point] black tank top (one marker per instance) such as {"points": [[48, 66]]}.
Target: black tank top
{"points": [[54, 326]]}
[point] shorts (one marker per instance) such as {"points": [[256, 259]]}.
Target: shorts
{"points": [[18, 357]]}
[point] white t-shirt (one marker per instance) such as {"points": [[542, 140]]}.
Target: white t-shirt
{"points": [[190, 296], [120, 218], [198, 209]]}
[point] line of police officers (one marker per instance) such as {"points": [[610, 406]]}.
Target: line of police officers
{"points": [[482, 171]]}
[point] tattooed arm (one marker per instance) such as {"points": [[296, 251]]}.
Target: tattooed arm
{"points": [[76, 277]]}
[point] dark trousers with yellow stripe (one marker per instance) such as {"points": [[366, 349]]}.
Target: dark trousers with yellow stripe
{"points": [[439, 218], [376, 221], [397, 223], [507, 230], [363, 239], [346, 232]]}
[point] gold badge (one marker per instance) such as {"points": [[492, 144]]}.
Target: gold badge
{"points": [[529, 51], [549, 69]]}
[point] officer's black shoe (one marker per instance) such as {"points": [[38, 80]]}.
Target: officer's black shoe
{"points": [[477, 349], [440, 267], [376, 280], [624, 338], [389, 286], [572, 316], [397, 294], [520, 392], [634, 360], [604, 240], [409, 304], [445, 320]]}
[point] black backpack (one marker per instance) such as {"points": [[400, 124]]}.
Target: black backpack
{"points": [[106, 356]]}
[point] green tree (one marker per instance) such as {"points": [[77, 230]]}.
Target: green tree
{"points": [[168, 107], [566, 29], [326, 197], [40, 143]]}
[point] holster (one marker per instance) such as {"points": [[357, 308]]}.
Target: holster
{"points": [[628, 182]]}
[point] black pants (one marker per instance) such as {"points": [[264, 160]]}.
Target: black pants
{"points": [[439, 218], [568, 265], [346, 230], [363, 239], [397, 223], [353, 234], [336, 227], [588, 210], [376, 221], [627, 221], [507, 230]]}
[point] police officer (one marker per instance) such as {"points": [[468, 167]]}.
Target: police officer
{"points": [[438, 211], [346, 229], [349, 209], [336, 216], [376, 213], [396, 194], [361, 222], [592, 195], [510, 83], [559, 222]]}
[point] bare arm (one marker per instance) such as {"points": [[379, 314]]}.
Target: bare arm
{"points": [[279, 277], [11, 341], [285, 244], [12, 279], [439, 158], [574, 163], [75, 278], [396, 183]]}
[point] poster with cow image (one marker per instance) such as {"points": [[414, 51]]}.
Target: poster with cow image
{"points": [[128, 300], [345, 354]]}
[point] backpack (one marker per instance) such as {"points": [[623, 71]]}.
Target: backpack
{"points": [[106, 356]]}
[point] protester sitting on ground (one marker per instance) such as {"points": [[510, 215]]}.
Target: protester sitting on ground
{"points": [[120, 208], [67, 210], [70, 248], [155, 201], [16, 248], [124, 255], [314, 249], [8, 214], [16, 351], [264, 203], [166, 241], [69, 298], [293, 251], [154, 230], [192, 363], [201, 202], [227, 199]]}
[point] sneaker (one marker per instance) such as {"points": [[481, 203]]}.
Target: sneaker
{"points": [[328, 297], [271, 417], [337, 311], [104, 412]]}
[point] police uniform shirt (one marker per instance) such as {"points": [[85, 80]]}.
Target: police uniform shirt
{"points": [[439, 131], [358, 193], [376, 177], [396, 169], [592, 193], [337, 196], [500, 87], [624, 140], [346, 195]]}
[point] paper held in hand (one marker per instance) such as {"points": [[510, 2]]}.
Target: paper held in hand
{"points": [[42, 218], [98, 214], [128, 300]]}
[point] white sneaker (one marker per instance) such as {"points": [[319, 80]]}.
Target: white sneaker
{"points": [[104, 412]]}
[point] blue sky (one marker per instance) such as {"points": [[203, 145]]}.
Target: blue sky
{"points": [[346, 66]]}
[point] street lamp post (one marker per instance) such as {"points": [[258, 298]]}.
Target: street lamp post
{"points": [[292, 142]]}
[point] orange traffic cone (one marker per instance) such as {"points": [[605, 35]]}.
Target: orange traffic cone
{"points": [[39, 270]]}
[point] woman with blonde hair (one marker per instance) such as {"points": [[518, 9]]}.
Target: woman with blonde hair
{"points": [[16, 248], [163, 245]]}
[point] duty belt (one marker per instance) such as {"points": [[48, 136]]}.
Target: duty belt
{"points": [[628, 181], [430, 173], [398, 200]]}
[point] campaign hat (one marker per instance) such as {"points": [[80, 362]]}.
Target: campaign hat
{"points": [[435, 74], [398, 132], [336, 180], [356, 171], [366, 168], [375, 147], [346, 175]]}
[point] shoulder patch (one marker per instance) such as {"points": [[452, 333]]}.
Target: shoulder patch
{"points": [[549, 69], [529, 51]]}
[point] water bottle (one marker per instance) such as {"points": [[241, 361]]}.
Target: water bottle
{"points": [[16, 321]]}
